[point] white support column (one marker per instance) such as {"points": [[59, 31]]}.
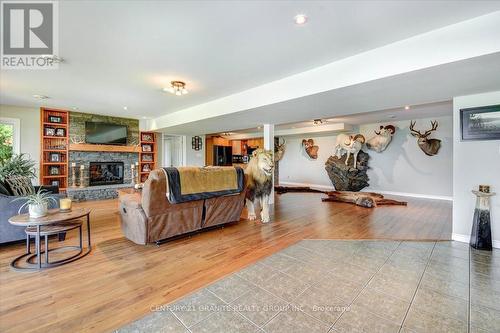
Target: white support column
{"points": [[269, 145]]}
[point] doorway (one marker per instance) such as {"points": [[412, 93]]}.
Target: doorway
{"points": [[173, 151]]}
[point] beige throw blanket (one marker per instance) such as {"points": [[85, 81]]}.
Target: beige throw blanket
{"points": [[195, 183], [208, 179]]}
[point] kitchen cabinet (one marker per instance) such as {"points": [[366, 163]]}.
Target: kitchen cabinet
{"points": [[236, 147]]}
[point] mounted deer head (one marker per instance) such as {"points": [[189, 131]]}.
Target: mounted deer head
{"points": [[279, 150], [429, 146], [310, 148]]}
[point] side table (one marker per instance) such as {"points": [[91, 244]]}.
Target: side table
{"points": [[54, 222]]}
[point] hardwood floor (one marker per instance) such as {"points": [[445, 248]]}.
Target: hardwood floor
{"points": [[119, 281]]}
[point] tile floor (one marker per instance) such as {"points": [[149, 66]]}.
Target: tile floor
{"points": [[346, 286]]}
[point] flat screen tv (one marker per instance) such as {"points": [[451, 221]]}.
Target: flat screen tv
{"points": [[105, 133]]}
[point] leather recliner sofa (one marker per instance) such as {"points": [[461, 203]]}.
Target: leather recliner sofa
{"points": [[149, 217]]}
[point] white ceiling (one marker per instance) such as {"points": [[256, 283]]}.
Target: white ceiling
{"points": [[122, 52], [429, 110], [428, 88]]}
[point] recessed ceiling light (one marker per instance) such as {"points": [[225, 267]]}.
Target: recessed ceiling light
{"points": [[300, 19], [40, 96], [259, 127], [407, 107], [125, 108]]}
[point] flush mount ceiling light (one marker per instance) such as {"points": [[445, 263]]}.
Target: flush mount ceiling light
{"points": [[125, 108], [177, 88], [300, 19], [319, 121], [37, 96]]}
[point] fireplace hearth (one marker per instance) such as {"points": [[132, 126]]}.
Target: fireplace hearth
{"points": [[105, 173]]}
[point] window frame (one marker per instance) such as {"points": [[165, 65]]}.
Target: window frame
{"points": [[16, 133]]}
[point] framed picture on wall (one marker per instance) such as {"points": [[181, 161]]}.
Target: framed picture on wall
{"points": [[196, 143], [146, 148], [54, 183], [481, 123]]}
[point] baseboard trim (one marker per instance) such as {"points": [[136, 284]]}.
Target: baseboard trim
{"points": [[314, 186], [401, 194], [466, 238], [413, 195]]}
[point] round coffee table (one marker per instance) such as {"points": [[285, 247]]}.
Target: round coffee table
{"points": [[54, 222]]}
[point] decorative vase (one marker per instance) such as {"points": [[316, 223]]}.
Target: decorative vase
{"points": [[480, 238], [37, 210]]}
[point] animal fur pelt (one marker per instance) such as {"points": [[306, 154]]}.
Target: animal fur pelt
{"points": [[259, 173], [363, 199]]}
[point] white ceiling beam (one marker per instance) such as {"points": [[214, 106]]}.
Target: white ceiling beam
{"points": [[464, 40]]}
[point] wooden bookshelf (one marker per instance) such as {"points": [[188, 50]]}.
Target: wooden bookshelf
{"points": [[148, 154], [54, 143]]}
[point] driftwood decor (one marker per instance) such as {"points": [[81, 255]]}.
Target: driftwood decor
{"points": [[302, 189], [363, 199], [310, 148]]}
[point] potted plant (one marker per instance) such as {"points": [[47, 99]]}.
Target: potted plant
{"points": [[38, 203], [17, 165]]}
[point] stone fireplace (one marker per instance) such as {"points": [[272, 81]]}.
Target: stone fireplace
{"points": [[105, 173]]}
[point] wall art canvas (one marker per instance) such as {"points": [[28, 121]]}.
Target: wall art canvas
{"points": [[481, 123]]}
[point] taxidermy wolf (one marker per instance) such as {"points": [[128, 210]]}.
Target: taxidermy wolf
{"points": [[259, 173]]}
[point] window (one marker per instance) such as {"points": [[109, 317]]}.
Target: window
{"points": [[9, 137]]}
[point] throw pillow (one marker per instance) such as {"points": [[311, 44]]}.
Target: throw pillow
{"points": [[20, 185]]}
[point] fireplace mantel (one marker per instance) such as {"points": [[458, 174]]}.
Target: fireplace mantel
{"points": [[106, 148]]}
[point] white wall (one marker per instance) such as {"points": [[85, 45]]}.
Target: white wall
{"points": [[30, 129], [474, 163], [195, 157], [401, 168]]}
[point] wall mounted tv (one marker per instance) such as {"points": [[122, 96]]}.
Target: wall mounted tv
{"points": [[105, 133]]}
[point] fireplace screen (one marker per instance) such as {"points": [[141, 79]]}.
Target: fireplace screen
{"points": [[105, 173]]}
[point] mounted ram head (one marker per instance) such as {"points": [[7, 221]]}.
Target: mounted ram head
{"points": [[382, 138], [310, 148]]}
